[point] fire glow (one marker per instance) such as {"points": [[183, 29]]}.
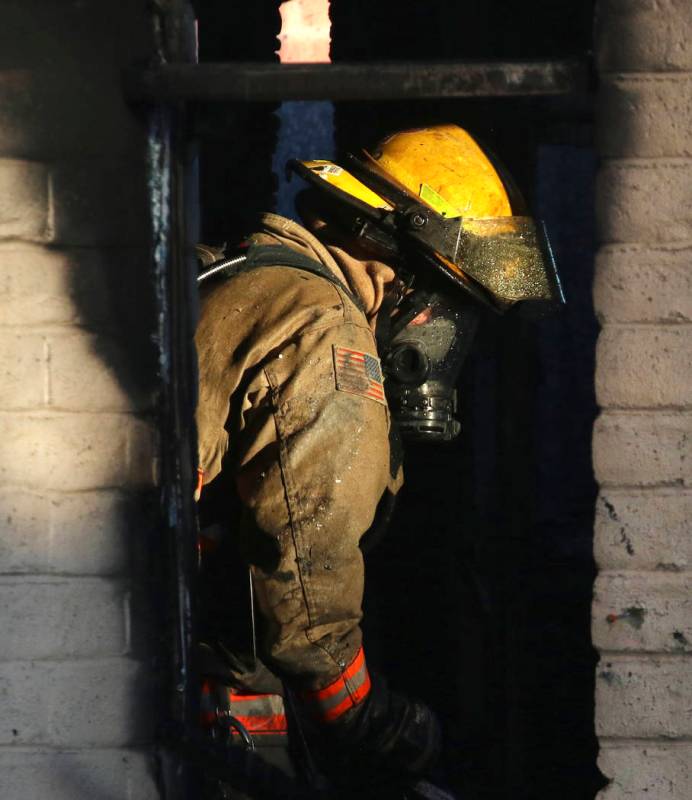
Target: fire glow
{"points": [[305, 32]]}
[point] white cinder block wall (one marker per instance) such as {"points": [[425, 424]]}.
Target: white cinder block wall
{"points": [[77, 439], [642, 612]]}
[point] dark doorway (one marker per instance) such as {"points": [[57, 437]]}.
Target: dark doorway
{"points": [[479, 599]]}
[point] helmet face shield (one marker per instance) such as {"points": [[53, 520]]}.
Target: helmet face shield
{"points": [[499, 258], [510, 257]]}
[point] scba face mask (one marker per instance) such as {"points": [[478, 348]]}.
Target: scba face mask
{"points": [[429, 341]]}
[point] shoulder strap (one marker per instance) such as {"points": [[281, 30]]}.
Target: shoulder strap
{"points": [[270, 255]]}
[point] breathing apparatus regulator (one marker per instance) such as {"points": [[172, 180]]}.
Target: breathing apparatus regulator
{"points": [[433, 203]]}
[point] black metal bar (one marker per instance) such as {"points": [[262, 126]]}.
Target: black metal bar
{"points": [[253, 82]]}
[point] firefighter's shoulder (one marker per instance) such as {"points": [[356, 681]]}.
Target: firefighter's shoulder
{"points": [[266, 301]]}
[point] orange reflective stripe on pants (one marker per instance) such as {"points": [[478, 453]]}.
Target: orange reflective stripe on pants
{"points": [[346, 692]]}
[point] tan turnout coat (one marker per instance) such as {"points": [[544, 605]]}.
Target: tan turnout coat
{"points": [[310, 460]]}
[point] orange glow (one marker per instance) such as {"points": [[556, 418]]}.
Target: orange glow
{"points": [[305, 32]]}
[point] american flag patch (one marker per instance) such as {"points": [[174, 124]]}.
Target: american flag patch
{"points": [[358, 373]]}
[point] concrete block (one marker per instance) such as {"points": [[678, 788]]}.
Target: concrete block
{"points": [[23, 370], [86, 533], [52, 37], [641, 284], [643, 35], [24, 201], [643, 449], [63, 617], [110, 291], [651, 771], [77, 774], [99, 703], [644, 366], [40, 285], [649, 530], [100, 202], [645, 116], [85, 286], [36, 285], [644, 697], [645, 201], [643, 611], [76, 451], [69, 112], [85, 374]]}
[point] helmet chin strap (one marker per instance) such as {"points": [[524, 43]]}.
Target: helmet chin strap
{"points": [[396, 302]]}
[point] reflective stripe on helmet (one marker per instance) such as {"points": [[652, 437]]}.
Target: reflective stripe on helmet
{"points": [[346, 692]]}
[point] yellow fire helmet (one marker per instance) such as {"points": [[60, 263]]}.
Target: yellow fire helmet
{"points": [[433, 193]]}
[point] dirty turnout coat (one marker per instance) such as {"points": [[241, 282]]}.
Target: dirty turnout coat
{"points": [[292, 408]]}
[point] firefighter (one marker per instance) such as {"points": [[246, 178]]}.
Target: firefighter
{"points": [[317, 344]]}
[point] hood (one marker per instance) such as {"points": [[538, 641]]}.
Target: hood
{"points": [[367, 278]]}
